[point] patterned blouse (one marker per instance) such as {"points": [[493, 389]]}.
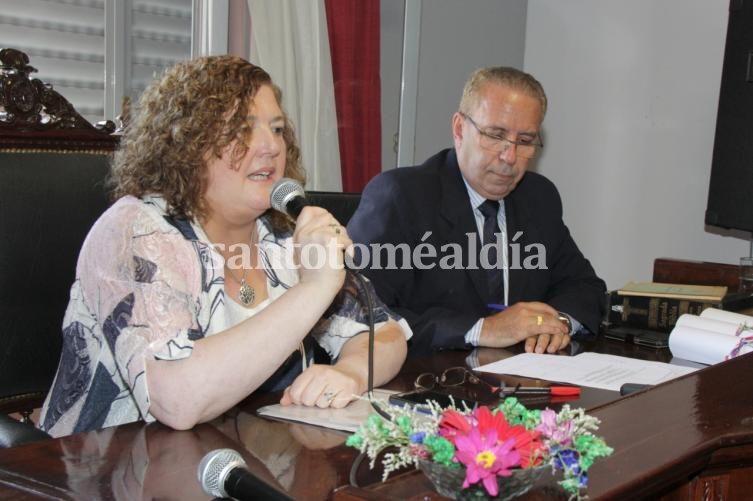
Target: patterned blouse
{"points": [[149, 285]]}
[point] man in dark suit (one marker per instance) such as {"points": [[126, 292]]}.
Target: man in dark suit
{"points": [[469, 248]]}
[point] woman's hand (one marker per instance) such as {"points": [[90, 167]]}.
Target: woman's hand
{"points": [[322, 386], [320, 245]]}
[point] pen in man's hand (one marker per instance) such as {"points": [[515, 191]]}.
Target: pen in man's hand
{"points": [[497, 307], [559, 391]]}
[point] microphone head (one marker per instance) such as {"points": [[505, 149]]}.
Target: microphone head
{"points": [[214, 468], [283, 192]]}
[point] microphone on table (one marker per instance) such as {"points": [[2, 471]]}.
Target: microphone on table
{"points": [[223, 473]]}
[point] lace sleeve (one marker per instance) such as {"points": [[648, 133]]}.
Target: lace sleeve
{"points": [[347, 316]]}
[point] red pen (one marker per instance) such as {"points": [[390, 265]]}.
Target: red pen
{"points": [[558, 391]]}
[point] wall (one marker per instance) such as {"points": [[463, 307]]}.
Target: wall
{"points": [[391, 13], [456, 38], [633, 89]]}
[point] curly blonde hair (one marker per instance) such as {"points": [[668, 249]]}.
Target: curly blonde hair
{"points": [[195, 110]]}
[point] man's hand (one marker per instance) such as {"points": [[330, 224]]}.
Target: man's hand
{"points": [[536, 323]]}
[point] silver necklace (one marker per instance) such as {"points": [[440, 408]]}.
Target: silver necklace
{"points": [[246, 293]]}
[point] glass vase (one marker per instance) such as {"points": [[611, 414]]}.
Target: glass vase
{"points": [[448, 482]]}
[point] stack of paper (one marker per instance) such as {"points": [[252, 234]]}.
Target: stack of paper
{"points": [[711, 337], [595, 370], [349, 418]]}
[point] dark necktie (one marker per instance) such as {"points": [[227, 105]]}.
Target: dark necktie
{"points": [[493, 275]]}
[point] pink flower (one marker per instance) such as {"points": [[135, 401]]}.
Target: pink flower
{"points": [[485, 458], [527, 443], [560, 433], [419, 451]]}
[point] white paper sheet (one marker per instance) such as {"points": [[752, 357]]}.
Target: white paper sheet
{"points": [[727, 316], [595, 370], [708, 324], [349, 418], [708, 338]]}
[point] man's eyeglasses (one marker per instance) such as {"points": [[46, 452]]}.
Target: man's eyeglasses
{"points": [[452, 377], [526, 148]]}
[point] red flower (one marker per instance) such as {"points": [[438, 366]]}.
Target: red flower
{"points": [[454, 424], [527, 444]]}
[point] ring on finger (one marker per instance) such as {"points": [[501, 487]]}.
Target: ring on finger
{"points": [[329, 396], [539, 320]]}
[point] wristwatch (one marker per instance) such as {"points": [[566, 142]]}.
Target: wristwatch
{"points": [[566, 320]]}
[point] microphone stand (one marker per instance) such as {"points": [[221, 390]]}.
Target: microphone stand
{"points": [[288, 197], [366, 293]]}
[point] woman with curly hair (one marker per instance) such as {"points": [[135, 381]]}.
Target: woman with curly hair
{"points": [[190, 292]]}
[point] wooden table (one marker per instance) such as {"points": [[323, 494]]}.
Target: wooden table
{"points": [[681, 439]]}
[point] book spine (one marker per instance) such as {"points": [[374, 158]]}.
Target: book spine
{"points": [[681, 271], [649, 312]]}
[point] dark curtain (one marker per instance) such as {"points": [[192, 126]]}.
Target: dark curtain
{"points": [[354, 44]]}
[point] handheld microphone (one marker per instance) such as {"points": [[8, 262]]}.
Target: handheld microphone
{"points": [[288, 197], [223, 473]]}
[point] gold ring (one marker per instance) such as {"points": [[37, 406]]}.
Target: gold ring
{"points": [[539, 320]]}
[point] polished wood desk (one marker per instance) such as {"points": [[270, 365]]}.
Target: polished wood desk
{"points": [[680, 440]]}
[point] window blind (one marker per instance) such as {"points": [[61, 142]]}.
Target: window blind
{"points": [[160, 37], [65, 40]]}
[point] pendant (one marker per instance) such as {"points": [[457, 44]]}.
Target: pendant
{"points": [[246, 293]]}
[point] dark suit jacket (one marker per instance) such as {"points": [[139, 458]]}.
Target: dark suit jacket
{"points": [[401, 205]]}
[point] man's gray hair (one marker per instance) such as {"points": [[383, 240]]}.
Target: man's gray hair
{"points": [[502, 75]]}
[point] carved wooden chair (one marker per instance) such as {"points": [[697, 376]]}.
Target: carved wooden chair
{"points": [[53, 164]]}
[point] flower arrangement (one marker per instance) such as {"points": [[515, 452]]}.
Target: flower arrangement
{"points": [[488, 443]]}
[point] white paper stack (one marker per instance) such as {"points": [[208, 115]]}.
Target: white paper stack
{"points": [[711, 337]]}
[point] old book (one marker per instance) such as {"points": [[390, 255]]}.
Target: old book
{"points": [[685, 271], [649, 312], [712, 293]]}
